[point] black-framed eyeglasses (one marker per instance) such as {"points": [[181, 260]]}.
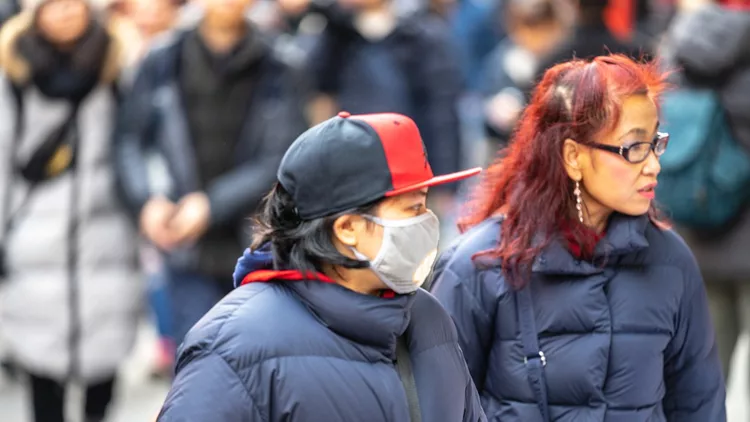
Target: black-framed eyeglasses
{"points": [[638, 152]]}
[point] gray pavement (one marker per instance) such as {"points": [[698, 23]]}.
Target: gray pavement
{"points": [[140, 398]]}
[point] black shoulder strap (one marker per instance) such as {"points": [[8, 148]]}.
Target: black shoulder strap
{"points": [[534, 358], [9, 215], [7, 198], [17, 93], [403, 366]]}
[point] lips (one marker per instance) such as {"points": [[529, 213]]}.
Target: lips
{"points": [[648, 191], [648, 188]]}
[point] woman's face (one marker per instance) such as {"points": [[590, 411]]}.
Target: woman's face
{"points": [[63, 21], [608, 181]]}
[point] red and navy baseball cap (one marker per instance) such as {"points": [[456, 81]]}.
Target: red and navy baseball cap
{"points": [[352, 160]]}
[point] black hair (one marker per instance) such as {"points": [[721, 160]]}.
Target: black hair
{"points": [[297, 244]]}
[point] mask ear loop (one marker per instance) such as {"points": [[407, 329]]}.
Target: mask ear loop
{"points": [[381, 252]]}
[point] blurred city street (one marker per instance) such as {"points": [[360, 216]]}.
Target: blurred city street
{"points": [[140, 398], [144, 143]]}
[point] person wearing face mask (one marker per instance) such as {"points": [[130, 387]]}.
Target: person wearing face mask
{"points": [[572, 299], [329, 322]]}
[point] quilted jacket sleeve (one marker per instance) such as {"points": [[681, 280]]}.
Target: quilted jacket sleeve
{"points": [[457, 288], [473, 411], [692, 371], [207, 389]]}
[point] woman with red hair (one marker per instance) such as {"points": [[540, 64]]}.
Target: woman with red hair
{"points": [[573, 302]]}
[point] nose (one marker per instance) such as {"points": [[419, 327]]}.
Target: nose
{"points": [[652, 167]]}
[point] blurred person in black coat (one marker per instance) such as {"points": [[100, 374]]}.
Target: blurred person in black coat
{"points": [[221, 105]]}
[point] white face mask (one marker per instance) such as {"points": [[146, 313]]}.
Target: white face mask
{"points": [[408, 251]]}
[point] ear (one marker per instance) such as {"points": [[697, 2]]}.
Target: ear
{"points": [[572, 153], [347, 228]]}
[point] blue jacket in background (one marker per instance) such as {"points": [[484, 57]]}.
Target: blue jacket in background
{"points": [[315, 351], [627, 342], [477, 27], [415, 71]]}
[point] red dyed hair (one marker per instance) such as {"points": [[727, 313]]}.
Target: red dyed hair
{"points": [[528, 182]]}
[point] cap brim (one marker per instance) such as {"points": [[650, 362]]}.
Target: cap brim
{"points": [[437, 180]]}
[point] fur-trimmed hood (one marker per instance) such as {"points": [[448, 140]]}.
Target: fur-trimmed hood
{"points": [[17, 68]]}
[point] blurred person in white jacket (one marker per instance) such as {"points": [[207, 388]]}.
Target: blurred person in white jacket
{"points": [[71, 291]]}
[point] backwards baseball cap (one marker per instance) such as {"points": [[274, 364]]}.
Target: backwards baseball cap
{"points": [[352, 160]]}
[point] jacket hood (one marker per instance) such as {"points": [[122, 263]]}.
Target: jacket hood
{"points": [[257, 267], [251, 261]]}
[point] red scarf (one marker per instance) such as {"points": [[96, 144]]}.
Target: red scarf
{"points": [[265, 276], [576, 248]]}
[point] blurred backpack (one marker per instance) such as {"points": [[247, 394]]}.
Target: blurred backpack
{"points": [[704, 182]]}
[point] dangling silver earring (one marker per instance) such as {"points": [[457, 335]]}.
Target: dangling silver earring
{"points": [[579, 202]]}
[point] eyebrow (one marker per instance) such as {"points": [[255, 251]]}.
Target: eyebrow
{"points": [[640, 131], [418, 197]]}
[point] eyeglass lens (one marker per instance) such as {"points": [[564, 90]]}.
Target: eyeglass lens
{"points": [[640, 151]]}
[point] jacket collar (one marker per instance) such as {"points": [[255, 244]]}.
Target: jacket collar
{"points": [[368, 320], [364, 319], [625, 235]]}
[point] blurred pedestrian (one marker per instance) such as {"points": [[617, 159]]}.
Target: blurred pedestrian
{"points": [[534, 28], [71, 291], [221, 107], [151, 19], [573, 302], [723, 75], [330, 313], [371, 59], [144, 21]]}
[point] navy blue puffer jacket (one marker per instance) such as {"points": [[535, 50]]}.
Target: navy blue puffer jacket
{"points": [[630, 341], [314, 351]]}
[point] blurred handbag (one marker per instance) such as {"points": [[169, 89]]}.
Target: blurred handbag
{"points": [[54, 157]]}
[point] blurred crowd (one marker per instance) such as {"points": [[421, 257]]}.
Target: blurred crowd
{"points": [[138, 136]]}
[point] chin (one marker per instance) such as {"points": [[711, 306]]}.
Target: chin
{"points": [[634, 211]]}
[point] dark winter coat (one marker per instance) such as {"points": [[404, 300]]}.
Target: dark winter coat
{"points": [[308, 350], [629, 341]]}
